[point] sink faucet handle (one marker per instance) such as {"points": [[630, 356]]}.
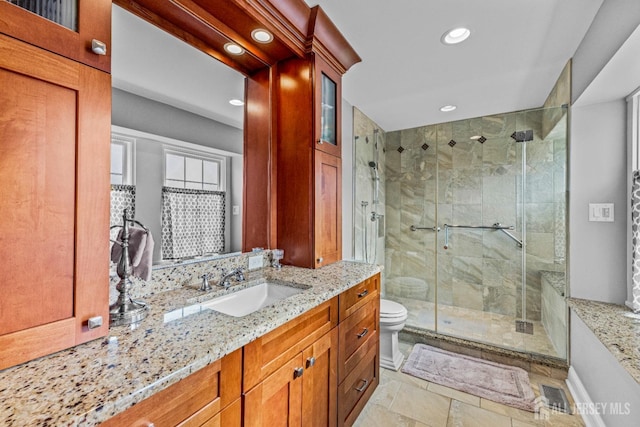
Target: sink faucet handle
{"points": [[205, 282], [240, 275]]}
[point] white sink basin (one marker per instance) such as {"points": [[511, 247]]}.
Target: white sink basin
{"points": [[251, 299]]}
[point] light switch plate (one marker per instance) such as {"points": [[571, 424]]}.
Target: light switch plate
{"points": [[601, 212], [255, 262]]}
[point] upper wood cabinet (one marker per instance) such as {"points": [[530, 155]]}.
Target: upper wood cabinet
{"points": [[65, 27], [54, 180], [309, 167]]}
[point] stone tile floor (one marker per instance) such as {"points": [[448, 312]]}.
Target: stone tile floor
{"points": [[402, 400], [490, 328]]}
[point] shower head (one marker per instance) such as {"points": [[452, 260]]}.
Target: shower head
{"points": [[374, 170]]}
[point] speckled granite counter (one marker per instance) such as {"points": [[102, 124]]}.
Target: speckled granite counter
{"points": [[90, 383], [617, 327]]}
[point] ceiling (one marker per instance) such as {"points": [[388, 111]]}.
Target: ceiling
{"points": [[516, 52]]}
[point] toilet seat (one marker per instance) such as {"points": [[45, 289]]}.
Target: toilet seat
{"points": [[391, 310]]}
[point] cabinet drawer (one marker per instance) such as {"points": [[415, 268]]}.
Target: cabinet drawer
{"points": [[357, 388], [196, 398], [354, 298], [358, 334], [266, 354], [231, 416]]}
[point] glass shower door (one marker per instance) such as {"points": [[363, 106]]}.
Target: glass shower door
{"points": [[478, 263], [500, 204]]}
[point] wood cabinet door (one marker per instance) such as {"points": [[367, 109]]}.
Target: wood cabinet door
{"points": [[54, 192], [93, 22], [327, 209], [320, 382], [277, 401]]}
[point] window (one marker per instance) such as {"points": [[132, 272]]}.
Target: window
{"points": [[193, 204], [122, 149], [191, 171]]}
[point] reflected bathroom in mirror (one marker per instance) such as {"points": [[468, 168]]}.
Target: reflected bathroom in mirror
{"points": [[177, 141]]}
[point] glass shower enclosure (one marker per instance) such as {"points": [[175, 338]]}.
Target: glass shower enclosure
{"points": [[475, 243]]}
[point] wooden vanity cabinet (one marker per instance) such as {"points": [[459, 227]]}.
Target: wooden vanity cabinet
{"points": [[290, 374], [359, 344], [93, 21], [301, 392], [310, 372], [209, 397], [54, 180]]}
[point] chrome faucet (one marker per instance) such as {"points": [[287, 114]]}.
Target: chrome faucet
{"points": [[237, 272], [205, 282]]}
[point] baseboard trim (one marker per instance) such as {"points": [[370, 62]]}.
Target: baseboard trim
{"points": [[580, 396]]}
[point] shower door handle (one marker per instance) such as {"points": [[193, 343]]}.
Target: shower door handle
{"points": [[415, 228]]}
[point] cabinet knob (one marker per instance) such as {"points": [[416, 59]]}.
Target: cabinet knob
{"points": [[320, 260], [320, 141], [363, 293], [297, 372], [94, 322], [364, 332], [311, 361], [98, 47], [363, 386]]}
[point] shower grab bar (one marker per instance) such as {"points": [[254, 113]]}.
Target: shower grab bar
{"points": [[496, 226], [519, 242], [415, 227]]}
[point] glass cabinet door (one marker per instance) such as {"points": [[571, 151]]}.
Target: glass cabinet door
{"points": [[328, 111], [328, 96], [63, 12]]}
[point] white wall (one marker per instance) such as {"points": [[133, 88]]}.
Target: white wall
{"points": [[347, 180], [613, 24], [598, 173]]}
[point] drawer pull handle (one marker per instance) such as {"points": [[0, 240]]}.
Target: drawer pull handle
{"points": [[297, 372], [363, 333], [311, 361], [363, 293], [363, 386]]}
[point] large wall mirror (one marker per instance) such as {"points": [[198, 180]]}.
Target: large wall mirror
{"points": [[177, 141]]}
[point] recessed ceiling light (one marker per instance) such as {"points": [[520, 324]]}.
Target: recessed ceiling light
{"points": [[261, 36], [447, 108], [456, 35], [233, 49], [236, 102]]}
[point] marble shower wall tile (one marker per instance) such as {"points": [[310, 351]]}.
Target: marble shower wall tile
{"points": [[477, 183]]}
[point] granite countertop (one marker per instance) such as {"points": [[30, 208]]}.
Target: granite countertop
{"points": [[92, 382], [616, 326]]}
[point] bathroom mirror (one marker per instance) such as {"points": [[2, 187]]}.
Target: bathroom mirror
{"points": [[173, 126]]}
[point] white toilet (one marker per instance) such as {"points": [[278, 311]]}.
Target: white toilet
{"points": [[392, 318]]}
